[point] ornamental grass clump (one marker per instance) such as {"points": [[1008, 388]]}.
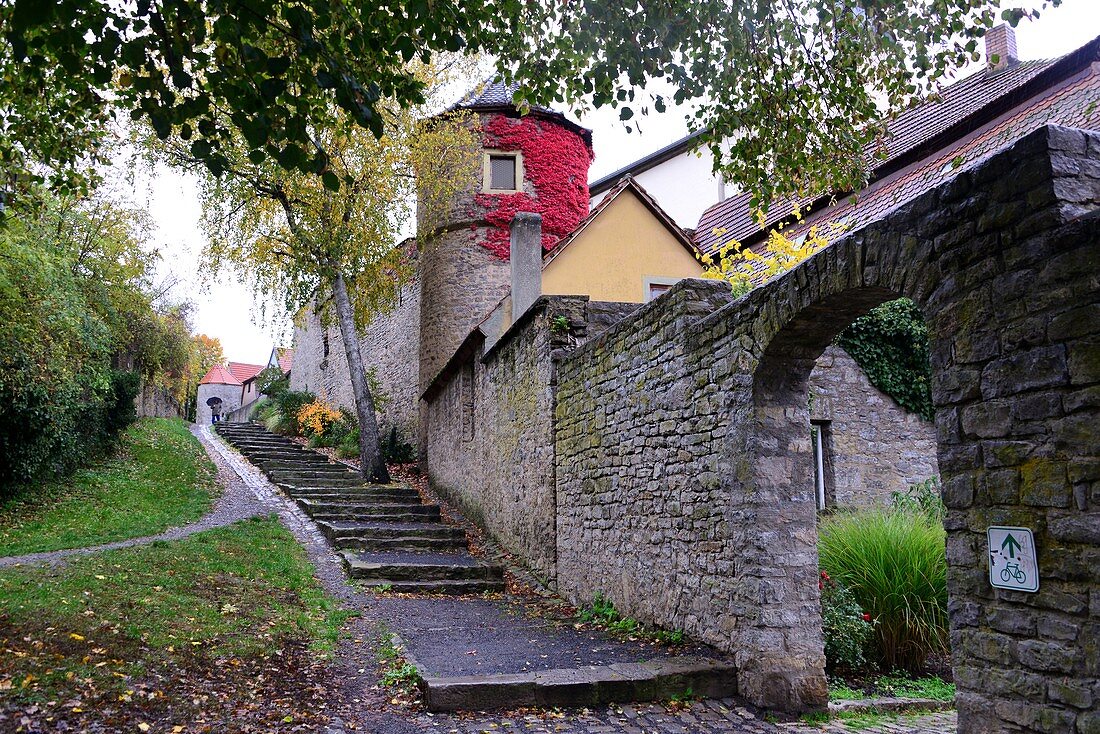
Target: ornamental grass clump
{"points": [[894, 563]]}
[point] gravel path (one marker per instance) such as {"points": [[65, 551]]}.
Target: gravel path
{"points": [[237, 502]]}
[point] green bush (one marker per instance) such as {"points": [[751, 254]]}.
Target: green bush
{"points": [[846, 627], [280, 412], [922, 497], [397, 451], [891, 345], [894, 563]]}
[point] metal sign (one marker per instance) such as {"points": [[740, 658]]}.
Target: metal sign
{"points": [[1012, 563]]}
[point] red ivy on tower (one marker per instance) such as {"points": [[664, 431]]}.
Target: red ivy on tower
{"points": [[555, 162]]}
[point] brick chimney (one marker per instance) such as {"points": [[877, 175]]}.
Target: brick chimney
{"points": [[1000, 42]]}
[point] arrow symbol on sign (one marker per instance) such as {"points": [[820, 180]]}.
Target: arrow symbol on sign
{"points": [[1012, 545]]}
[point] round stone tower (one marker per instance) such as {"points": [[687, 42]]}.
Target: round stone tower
{"points": [[537, 162]]}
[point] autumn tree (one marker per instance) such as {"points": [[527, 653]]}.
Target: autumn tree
{"points": [[332, 238], [797, 88]]}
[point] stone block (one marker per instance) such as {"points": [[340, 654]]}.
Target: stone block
{"points": [[1055, 657], [1077, 696], [479, 692]]}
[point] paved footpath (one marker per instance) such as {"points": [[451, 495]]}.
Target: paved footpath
{"points": [[362, 707]]}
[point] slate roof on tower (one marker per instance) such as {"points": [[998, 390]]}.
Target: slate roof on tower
{"points": [[219, 375], [964, 110], [493, 95]]}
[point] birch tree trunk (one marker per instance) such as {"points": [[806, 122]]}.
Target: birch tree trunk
{"points": [[372, 466]]}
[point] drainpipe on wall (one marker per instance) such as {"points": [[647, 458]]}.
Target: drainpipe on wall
{"points": [[526, 259]]}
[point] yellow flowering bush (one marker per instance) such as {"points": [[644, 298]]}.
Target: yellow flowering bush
{"points": [[744, 268], [317, 418]]}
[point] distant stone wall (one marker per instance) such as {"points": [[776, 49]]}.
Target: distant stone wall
{"points": [[872, 446], [489, 431], [389, 346], [156, 402]]}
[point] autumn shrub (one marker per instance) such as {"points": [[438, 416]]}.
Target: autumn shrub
{"points": [[316, 419], [894, 563], [281, 412]]}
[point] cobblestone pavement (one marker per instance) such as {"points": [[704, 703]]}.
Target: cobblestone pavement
{"points": [[237, 502], [363, 707], [725, 716]]}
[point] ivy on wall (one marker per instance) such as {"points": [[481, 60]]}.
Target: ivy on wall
{"points": [[891, 345], [555, 162]]}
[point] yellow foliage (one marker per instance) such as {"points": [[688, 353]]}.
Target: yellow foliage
{"points": [[745, 268], [317, 417]]}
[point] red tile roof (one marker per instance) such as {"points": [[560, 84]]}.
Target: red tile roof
{"points": [[286, 359], [244, 371], [1074, 104], [219, 375], [965, 107]]}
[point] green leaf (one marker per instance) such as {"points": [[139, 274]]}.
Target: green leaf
{"points": [[331, 181]]}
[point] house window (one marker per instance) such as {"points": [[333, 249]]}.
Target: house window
{"points": [[502, 172], [818, 437], [656, 287]]}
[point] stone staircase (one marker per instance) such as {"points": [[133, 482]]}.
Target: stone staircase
{"points": [[388, 538]]}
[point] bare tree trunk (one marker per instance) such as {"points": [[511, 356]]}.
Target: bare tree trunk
{"points": [[372, 466]]}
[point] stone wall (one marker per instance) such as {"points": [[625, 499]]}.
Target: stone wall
{"points": [[684, 467], [153, 401], [872, 446], [230, 395], [389, 346], [489, 430]]}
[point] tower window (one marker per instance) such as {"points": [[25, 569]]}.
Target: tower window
{"points": [[503, 171]]}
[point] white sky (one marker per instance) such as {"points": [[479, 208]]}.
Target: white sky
{"points": [[224, 308]]}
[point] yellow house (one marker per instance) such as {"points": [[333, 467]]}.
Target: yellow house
{"points": [[627, 249]]}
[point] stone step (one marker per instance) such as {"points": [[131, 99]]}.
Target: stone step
{"points": [[317, 472], [390, 512], [307, 483], [365, 493], [288, 450], [341, 529], [285, 464], [297, 460], [588, 686], [403, 567], [457, 587], [409, 543]]}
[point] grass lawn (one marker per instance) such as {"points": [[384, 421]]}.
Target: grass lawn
{"points": [[894, 686], [226, 626], [160, 478]]}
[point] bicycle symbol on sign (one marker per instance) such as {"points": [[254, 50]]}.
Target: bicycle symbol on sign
{"points": [[1013, 571]]}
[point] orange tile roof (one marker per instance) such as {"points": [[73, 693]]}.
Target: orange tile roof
{"points": [[244, 371], [219, 375]]}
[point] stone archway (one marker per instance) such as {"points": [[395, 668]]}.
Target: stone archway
{"points": [[1007, 272], [682, 457]]}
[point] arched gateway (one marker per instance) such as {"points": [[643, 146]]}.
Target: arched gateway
{"points": [[684, 468]]}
